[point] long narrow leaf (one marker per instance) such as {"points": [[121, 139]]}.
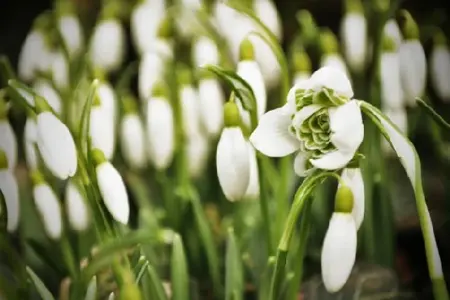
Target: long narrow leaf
{"points": [[234, 279], [85, 116], [180, 275], [156, 284], [91, 293], [39, 285]]}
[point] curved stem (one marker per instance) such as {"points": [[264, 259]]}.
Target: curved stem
{"points": [[436, 117]]}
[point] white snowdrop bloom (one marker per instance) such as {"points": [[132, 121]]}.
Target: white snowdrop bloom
{"points": [[392, 30], [60, 71], [56, 145], [354, 37], [49, 209], [160, 132], [211, 100], [190, 106], [10, 191], [197, 148], [133, 141], [232, 156], [8, 143], [107, 49], [33, 55], [399, 117], [30, 143], [101, 131], [186, 22], [268, 14], [334, 60], [204, 52], [76, 208], [145, 19], [338, 251], [319, 119], [72, 34], [112, 188], [440, 70], [108, 100], [352, 178], [413, 70], [44, 89], [252, 191], [391, 86], [301, 77]]}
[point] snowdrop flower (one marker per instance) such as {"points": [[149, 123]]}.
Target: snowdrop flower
{"points": [[197, 148], [232, 157], [331, 57], [204, 52], [189, 103], [107, 48], [145, 19], [101, 128], [413, 64], [352, 178], [252, 191], [10, 191], [248, 69], [70, 28], [354, 35], [112, 188], [339, 246], [60, 70], [55, 143], [440, 67], [399, 117], [186, 22], [77, 210], [391, 86], [319, 119], [8, 141], [211, 100], [44, 88], [160, 128], [133, 136], [29, 142], [47, 205], [392, 30]]}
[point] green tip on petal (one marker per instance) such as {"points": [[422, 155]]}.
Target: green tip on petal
{"points": [[382, 5], [98, 157], [41, 105], [3, 160], [301, 61], [343, 202], [159, 89], [37, 177], [410, 29], [328, 42], [165, 29], [111, 10], [129, 104], [43, 22], [99, 74], [440, 39], [231, 113], [353, 6], [388, 44], [246, 51], [96, 102], [184, 75], [64, 8]]}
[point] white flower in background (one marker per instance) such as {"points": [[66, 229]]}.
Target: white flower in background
{"points": [[108, 99], [160, 129], [340, 243], [186, 22], [232, 156], [301, 77], [107, 48], [101, 131], [145, 19], [319, 119], [30, 143], [249, 70], [72, 34], [10, 191], [352, 178], [440, 67], [391, 86], [302, 66], [334, 61], [34, 55], [211, 100], [76, 208], [204, 52], [413, 63], [197, 148], [252, 191], [60, 70], [331, 56], [112, 188], [392, 30], [56, 145], [133, 140], [44, 88], [400, 118], [8, 142], [354, 35], [189, 102], [48, 206]]}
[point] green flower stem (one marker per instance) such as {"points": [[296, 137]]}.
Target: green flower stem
{"points": [[436, 117], [6, 69], [282, 193], [264, 205], [69, 257]]}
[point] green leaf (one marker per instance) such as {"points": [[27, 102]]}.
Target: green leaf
{"points": [[179, 268], [39, 285], [140, 269], [6, 69], [436, 117], [234, 279], [47, 257], [156, 285], [264, 285], [91, 293], [21, 92], [410, 160], [83, 129]]}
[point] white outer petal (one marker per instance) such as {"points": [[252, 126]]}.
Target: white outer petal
{"points": [[333, 160], [72, 33], [30, 140], [440, 71], [205, 52], [44, 89], [107, 48], [354, 34], [392, 30], [354, 180], [76, 208], [233, 163], [160, 132], [250, 72], [60, 70], [391, 86], [108, 99], [145, 20], [113, 191], [300, 164], [56, 146], [49, 209], [27, 64], [197, 148], [332, 75], [252, 191], [190, 106], [211, 99], [338, 251], [8, 143], [133, 141], [413, 70], [150, 70], [10, 191], [101, 131], [272, 136]]}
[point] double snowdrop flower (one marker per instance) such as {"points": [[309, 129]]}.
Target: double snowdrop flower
{"points": [[320, 120], [440, 67], [76, 208], [331, 56], [10, 191]]}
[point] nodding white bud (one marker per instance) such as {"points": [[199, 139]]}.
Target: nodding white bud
{"points": [[144, 23], [10, 190], [108, 100], [44, 89], [72, 34], [354, 34], [133, 141], [56, 145], [205, 52], [33, 51], [77, 210], [197, 148], [413, 70], [8, 143], [211, 99], [160, 132], [252, 191], [440, 71], [60, 70], [101, 131], [107, 49], [391, 89], [399, 117], [30, 140], [190, 107], [112, 188], [49, 209], [392, 30]]}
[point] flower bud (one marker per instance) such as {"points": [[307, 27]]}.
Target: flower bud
{"points": [[197, 153], [10, 191], [440, 67], [391, 88], [30, 140], [190, 105], [331, 57], [45, 89], [76, 208], [133, 141], [72, 33], [211, 99], [204, 52]]}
